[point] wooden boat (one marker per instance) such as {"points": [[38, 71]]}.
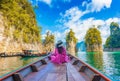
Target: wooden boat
{"points": [[45, 70], [34, 55], [29, 52], [12, 54]]}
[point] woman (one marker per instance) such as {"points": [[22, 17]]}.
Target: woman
{"points": [[59, 56]]}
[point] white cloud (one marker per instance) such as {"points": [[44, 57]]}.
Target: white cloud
{"points": [[71, 19], [97, 5], [84, 3], [48, 2], [59, 35], [72, 14]]}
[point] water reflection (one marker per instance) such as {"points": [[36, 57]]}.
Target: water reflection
{"points": [[95, 59], [112, 65], [11, 63]]}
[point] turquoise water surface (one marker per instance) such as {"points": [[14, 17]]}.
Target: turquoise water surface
{"points": [[107, 63]]}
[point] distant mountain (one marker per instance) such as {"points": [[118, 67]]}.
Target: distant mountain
{"points": [[81, 46]]}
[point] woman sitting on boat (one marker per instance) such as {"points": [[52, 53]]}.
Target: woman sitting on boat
{"points": [[59, 56]]}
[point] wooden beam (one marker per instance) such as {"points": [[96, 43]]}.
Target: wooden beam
{"points": [[49, 57], [75, 62], [82, 68], [43, 61], [17, 77], [96, 77], [34, 68], [71, 57]]}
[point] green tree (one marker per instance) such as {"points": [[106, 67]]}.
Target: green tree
{"points": [[71, 37], [71, 41], [48, 43], [93, 36], [49, 39], [113, 40], [93, 39], [20, 17], [114, 27]]}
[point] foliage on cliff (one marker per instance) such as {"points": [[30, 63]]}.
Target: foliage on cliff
{"points": [[113, 40], [71, 37], [20, 19], [93, 37], [49, 39]]}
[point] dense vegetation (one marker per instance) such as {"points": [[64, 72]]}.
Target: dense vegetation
{"points": [[71, 37], [113, 40], [20, 21], [71, 42], [93, 40], [93, 37], [49, 39]]}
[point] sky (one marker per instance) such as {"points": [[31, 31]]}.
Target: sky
{"points": [[59, 16]]}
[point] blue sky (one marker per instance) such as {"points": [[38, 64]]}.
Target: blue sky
{"points": [[58, 16]]}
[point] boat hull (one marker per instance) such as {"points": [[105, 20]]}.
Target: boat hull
{"points": [[45, 70]]}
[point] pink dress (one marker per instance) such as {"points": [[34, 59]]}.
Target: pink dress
{"points": [[59, 58]]}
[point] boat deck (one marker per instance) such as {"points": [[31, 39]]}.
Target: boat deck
{"points": [[45, 70], [55, 72]]}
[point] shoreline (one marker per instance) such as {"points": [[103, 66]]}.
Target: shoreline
{"points": [[111, 49]]}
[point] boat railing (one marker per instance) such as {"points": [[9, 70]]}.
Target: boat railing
{"points": [[24, 71], [84, 65], [81, 67]]}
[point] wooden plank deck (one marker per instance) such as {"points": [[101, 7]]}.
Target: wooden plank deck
{"points": [[45, 70], [54, 72]]}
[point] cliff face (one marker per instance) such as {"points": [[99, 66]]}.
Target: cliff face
{"points": [[8, 44], [94, 47], [48, 42], [113, 40], [18, 27], [49, 47], [2, 38], [93, 40], [71, 41], [71, 47]]}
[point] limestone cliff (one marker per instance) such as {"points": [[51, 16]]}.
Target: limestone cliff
{"points": [[71, 41], [71, 47], [8, 44], [18, 27], [93, 40], [112, 43], [94, 47], [48, 42]]}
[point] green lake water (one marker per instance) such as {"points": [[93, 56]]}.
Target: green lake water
{"points": [[107, 63], [9, 64]]}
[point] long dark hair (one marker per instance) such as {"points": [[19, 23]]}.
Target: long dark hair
{"points": [[60, 49]]}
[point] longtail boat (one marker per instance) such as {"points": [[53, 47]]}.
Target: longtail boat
{"points": [[45, 70], [34, 55]]}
